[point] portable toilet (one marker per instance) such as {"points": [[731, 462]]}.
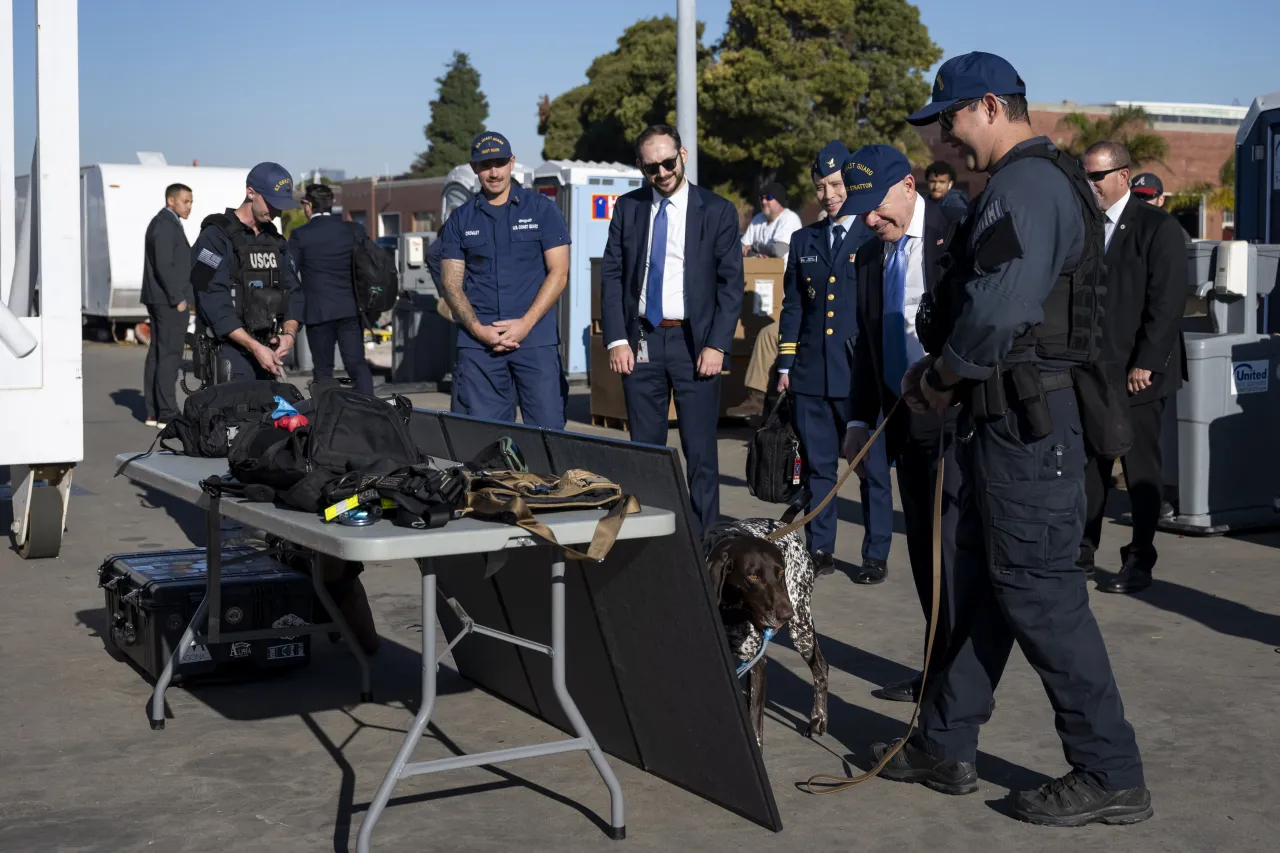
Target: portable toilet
{"points": [[585, 193], [1257, 213]]}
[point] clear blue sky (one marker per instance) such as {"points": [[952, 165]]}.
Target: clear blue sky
{"points": [[346, 84]]}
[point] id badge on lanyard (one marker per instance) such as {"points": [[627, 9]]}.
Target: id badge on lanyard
{"points": [[642, 350]]}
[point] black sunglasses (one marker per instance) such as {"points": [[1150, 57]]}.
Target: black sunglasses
{"points": [[947, 118], [1097, 176], [652, 169]]}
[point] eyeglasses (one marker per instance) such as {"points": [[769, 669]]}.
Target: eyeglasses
{"points": [[1097, 176], [767, 197], [652, 169], [947, 118]]}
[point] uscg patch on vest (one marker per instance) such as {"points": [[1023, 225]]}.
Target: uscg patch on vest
{"points": [[210, 259]]}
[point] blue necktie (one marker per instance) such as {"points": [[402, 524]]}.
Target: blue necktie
{"points": [[657, 264], [895, 325], [837, 236]]}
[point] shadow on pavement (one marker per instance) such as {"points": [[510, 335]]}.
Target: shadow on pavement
{"points": [[1217, 614], [131, 399]]}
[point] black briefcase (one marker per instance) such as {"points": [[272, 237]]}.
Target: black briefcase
{"points": [[150, 598], [776, 469]]}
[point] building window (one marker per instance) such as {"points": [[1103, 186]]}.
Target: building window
{"points": [[388, 225], [423, 221], [1228, 219]]}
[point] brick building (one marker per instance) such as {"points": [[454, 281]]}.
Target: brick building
{"points": [[1201, 137], [389, 207]]}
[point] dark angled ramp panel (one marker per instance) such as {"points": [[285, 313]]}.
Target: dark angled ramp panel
{"points": [[649, 666]]}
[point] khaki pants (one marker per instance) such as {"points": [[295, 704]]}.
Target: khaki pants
{"points": [[763, 355]]}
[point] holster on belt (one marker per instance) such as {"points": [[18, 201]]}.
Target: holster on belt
{"points": [[1029, 389], [987, 399]]}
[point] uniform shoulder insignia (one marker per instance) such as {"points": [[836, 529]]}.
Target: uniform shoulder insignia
{"points": [[209, 259], [996, 240]]}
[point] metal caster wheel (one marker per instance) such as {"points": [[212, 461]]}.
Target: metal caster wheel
{"points": [[44, 525]]}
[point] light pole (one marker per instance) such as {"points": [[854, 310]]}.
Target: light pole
{"points": [[687, 82]]}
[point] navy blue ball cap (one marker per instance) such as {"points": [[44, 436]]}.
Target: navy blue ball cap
{"points": [[273, 183], [1146, 184], [966, 77], [869, 174], [831, 158], [490, 146]]}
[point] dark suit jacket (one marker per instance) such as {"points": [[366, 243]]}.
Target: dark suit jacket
{"points": [[166, 266], [713, 283], [871, 397], [1146, 296], [321, 251]]}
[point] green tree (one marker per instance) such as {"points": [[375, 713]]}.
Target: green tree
{"points": [[1130, 125], [788, 77], [627, 89], [457, 115], [791, 75]]}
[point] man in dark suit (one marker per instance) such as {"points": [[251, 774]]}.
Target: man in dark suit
{"points": [[166, 291], [894, 272], [1147, 285], [671, 292], [818, 321], [321, 251]]}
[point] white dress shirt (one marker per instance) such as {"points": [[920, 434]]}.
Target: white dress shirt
{"points": [[913, 290], [1112, 217], [673, 269], [763, 233], [321, 213]]}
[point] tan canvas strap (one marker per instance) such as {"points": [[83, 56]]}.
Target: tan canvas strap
{"points": [[606, 532], [831, 784]]}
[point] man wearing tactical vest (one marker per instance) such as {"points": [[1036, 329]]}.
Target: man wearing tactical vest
{"points": [[1010, 326], [248, 299]]}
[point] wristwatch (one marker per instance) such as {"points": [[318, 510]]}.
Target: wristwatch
{"points": [[934, 378]]}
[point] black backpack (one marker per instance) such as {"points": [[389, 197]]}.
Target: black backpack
{"points": [[373, 270], [212, 417], [776, 469], [347, 431]]}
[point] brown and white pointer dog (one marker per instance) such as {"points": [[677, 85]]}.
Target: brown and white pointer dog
{"points": [[763, 584]]}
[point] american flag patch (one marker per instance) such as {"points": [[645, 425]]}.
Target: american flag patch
{"points": [[209, 258]]}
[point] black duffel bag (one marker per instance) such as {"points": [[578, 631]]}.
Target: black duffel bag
{"points": [[347, 431], [776, 469]]}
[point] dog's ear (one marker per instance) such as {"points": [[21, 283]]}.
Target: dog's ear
{"points": [[718, 564]]}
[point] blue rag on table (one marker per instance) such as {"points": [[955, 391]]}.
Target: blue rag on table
{"points": [[283, 409]]}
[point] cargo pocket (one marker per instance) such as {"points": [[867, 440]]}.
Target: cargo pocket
{"points": [[1019, 543]]}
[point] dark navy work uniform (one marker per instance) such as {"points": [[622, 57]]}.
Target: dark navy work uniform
{"points": [[321, 251], [1022, 497], [502, 247], [221, 278], [819, 317]]}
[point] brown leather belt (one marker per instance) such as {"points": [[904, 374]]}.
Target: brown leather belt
{"points": [[668, 323]]}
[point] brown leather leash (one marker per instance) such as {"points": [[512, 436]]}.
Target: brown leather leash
{"points": [[840, 783]]}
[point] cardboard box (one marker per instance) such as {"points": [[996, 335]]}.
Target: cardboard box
{"points": [[761, 300], [732, 390], [607, 400]]}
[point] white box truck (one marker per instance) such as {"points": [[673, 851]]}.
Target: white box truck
{"points": [[117, 202]]}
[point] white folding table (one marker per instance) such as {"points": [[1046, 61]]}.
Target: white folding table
{"points": [[180, 476]]}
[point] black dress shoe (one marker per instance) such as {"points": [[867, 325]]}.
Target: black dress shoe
{"points": [[915, 765], [1089, 569], [872, 571], [1076, 800], [1131, 579], [823, 563], [900, 691]]}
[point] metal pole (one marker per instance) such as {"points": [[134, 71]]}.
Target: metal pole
{"points": [[687, 82]]}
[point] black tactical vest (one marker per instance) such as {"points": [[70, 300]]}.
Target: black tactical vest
{"points": [[1072, 326], [259, 291]]}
